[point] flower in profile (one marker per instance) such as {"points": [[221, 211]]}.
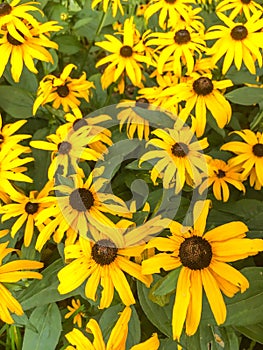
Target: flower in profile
{"points": [[181, 158], [239, 42], [12, 272], [26, 208], [239, 7], [63, 90], [202, 93], [115, 4], [76, 310], [202, 257], [124, 58], [220, 174], [249, 155], [117, 338], [21, 52]]}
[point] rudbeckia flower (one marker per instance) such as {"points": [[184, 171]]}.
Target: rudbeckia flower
{"points": [[27, 208], [239, 42], [77, 310], [202, 257], [249, 155], [239, 7], [63, 90], [117, 338], [7, 137], [25, 51], [220, 174], [12, 272], [181, 158], [202, 93], [115, 4]]}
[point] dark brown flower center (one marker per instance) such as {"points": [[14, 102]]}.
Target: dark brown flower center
{"points": [[182, 36], [79, 123], [180, 149], [81, 199], [31, 208], [221, 173], [239, 32], [104, 252], [170, 1], [246, 2], [63, 90], [126, 51], [5, 9], [64, 147], [14, 41], [142, 102], [203, 86], [258, 150], [195, 253], [1, 138]]}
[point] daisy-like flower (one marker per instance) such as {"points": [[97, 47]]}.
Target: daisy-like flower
{"points": [[179, 47], [116, 341], [12, 272], [68, 146], [239, 42], [170, 11], [78, 207], [246, 7], [76, 310], [249, 155], [27, 208], [105, 260], [115, 5], [24, 51], [202, 257], [202, 93], [124, 58], [181, 158], [220, 174], [63, 90]]}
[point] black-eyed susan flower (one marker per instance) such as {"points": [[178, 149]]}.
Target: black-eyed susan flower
{"points": [[76, 310], [202, 257], [220, 175], [63, 91], [20, 52], [202, 93], [249, 155], [117, 338], [180, 157], [12, 272], [124, 58], [115, 5], [239, 7], [26, 208], [239, 42]]}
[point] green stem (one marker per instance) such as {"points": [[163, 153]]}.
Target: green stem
{"points": [[100, 26]]}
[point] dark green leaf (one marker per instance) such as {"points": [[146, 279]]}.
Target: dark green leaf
{"points": [[16, 102], [68, 44], [246, 96], [253, 331], [168, 283]]}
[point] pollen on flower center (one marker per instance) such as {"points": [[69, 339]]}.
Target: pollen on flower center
{"points": [[182, 36], [63, 91], [221, 174], [203, 86], [142, 102], [5, 9], [14, 41], [104, 252], [31, 208], [79, 123], [239, 32], [81, 199], [180, 149], [195, 253], [126, 51], [257, 149], [64, 147]]}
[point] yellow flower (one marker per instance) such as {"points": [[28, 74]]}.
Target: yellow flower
{"points": [[12, 272], [239, 7], [239, 42], [76, 310], [63, 90], [203, 258], [25, 51], [7, 139], [116, 341], [220, 174], [115, 4], [249, 155]]}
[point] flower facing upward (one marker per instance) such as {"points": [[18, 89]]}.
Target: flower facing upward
{"points": [[246, 7], [12, 272], [116, 341], [63, 90], [249, 155], [77, 310], [203, 259], [239, 42]]}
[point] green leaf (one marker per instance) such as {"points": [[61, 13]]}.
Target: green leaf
{"points": [[16, 102], [68, 44], [254, 331], [47, 321], [28, 80], [246, 96], [168, 283]]}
